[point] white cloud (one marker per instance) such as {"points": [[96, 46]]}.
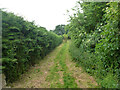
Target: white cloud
{"points": [[46, 13]]}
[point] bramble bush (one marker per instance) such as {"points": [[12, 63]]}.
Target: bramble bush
{"points": [[23, 44]]}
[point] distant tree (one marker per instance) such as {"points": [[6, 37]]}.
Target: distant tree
{"points": [[60, 30]]}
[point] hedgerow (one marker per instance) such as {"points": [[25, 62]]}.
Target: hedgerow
{"points": [[23, 44], [96, 41]]}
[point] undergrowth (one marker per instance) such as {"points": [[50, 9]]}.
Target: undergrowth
{"points": [[93, 66]]}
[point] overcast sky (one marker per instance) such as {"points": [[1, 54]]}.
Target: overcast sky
{"points": [[46, 13]]}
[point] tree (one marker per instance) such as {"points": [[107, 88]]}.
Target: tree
{"points": [[59, 30]]}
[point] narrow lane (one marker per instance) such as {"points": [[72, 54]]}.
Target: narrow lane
{"points": [[56, 70]]}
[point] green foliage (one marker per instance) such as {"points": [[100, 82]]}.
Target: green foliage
{"points": [[60, 30], [108, 47], [23, 44], [65, 37], [93, 66], [96, 44], [109, 81]]}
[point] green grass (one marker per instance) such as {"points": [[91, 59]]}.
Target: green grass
{"points": [[60, 65]]}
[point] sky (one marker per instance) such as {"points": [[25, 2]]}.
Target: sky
{"points": [[45, 13]]}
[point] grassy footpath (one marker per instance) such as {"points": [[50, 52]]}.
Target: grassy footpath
{"points": [[56, 70], [60, 69]]}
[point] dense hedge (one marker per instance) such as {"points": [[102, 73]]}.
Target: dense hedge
{"points": [[23, 44], [96, 41]]}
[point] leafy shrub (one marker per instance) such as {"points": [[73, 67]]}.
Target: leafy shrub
{"points": [[108, 46]]}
